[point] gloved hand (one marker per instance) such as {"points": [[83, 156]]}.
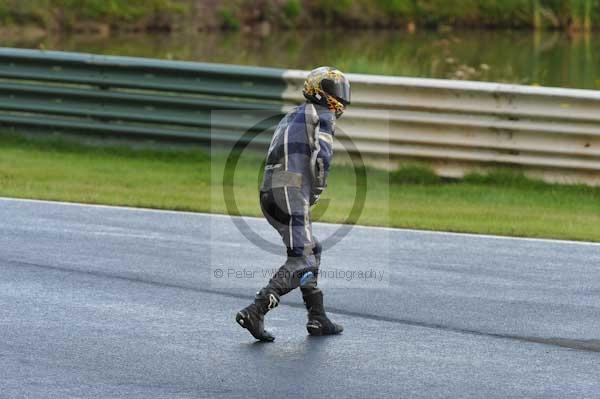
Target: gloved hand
{"points": [[314, 198]]}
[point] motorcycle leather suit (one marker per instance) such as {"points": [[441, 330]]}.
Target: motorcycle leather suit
{"points": [[296, 171]]}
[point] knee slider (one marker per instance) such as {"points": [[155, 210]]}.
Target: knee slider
{"points": [[308, 279]]}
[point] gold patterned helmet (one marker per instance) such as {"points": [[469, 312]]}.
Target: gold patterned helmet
{"points": [[328, 87]]}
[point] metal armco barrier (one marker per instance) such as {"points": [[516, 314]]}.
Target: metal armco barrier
{"points": [[453, 125], [134, 96]]}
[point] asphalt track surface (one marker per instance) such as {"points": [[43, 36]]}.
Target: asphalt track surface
{"points": [[101, 302]]}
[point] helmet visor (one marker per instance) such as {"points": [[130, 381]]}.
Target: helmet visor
{"points": [[340, 90]]}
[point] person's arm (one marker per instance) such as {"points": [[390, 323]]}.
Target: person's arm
{"points": [[324, 154]]}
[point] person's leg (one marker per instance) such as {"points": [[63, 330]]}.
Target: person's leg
{"points": [[252, 316], [304, 258], [277, 207], [287, 216], [318, 322]]}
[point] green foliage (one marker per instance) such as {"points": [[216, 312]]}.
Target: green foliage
{"points": [[414, 174], [330, 11], [397, 7], [490, 13], [228, 19], [515, 13], [126, 10], [504, 177], [567, 14], [25, 11], [4, 12], [291, 9], [69, 12]]}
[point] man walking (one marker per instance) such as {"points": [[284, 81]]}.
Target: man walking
{"points": [[295, 175]]}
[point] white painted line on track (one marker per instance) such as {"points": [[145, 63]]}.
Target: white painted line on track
{"points": [[405, 230]]}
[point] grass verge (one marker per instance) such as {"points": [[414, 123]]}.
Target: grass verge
{"points": [[503, 203]]}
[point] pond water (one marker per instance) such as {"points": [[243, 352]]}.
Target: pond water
{"points": [[547, 59]]}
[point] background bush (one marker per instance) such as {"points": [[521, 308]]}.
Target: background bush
{"points": [[324, 14]]}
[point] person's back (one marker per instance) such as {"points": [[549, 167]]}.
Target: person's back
{"points": [[296, 171]]}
